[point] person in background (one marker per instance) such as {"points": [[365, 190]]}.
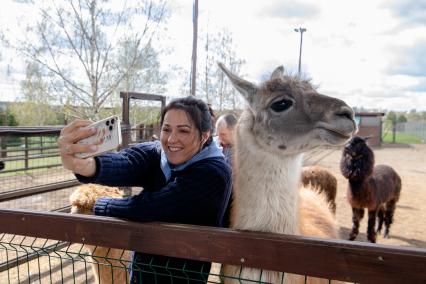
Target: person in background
{"points": [[184, 176], [225, 126]]}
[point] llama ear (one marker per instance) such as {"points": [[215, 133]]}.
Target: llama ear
{"points": [[246, 88], [367, 137], [278, 72]]}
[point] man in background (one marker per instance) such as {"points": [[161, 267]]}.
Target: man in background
{"points": [[225, 126]]}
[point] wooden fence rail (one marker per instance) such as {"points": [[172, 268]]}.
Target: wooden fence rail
{"points": [[333, 259]]}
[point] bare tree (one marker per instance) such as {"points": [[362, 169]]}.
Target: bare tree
{"points": [[215, 89], [78, 45]]}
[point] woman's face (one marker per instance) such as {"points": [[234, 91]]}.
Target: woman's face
{"points": [[179, 137]]}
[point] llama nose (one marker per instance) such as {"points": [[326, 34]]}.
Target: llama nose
{"points": [[346, 112]]}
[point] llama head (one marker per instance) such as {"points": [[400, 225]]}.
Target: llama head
{"points": [[357, 160], [289, 116]]}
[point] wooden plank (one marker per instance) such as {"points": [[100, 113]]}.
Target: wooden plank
{"points": [[29, 131], [141, 96], [335, 259], [19, 193]]}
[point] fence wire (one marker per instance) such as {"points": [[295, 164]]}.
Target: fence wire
{"points": [[26, 259], [31, 173], [34, 260]]}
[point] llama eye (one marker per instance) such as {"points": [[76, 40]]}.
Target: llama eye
{"points": [[281, 105]]}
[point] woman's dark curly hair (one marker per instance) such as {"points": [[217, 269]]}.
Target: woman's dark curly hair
{"points": [[199, 112]]}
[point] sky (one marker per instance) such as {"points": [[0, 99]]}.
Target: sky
{"points": [[371, 54]]}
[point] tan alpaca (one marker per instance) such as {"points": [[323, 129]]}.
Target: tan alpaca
{"points": [[322, 181], [284, 117], [106, 267]]}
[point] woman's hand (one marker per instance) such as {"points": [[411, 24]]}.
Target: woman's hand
{"points": [[71, 134]]}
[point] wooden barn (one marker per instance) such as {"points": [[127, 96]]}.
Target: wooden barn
{"points": [[370, 124]]}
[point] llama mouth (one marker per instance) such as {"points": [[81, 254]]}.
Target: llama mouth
{"points": [[336, 132]]}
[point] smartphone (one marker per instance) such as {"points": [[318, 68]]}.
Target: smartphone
{"points": [[108, 131]]}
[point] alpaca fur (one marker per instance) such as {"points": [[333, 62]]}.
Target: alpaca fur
{"points": [[268, 162], [376, 188], [323, 181], [82, 201], [312, 206]]}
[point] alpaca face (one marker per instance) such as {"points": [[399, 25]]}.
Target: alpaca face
{"points": [[355, 148], [357, 161], [289, 116]]}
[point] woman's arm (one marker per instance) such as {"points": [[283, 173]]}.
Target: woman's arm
{"points": [[198, 196], [129, 167]]}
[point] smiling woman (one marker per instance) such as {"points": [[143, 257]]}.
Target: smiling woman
{"points": [[185, 130], [185, 179]]}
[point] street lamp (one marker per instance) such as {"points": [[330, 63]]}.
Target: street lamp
{"points": [[301, 30]]}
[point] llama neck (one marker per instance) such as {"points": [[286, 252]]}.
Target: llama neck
{"points": [[266, 188]]}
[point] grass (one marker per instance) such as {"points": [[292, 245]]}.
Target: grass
{"points": [[403, 138], [20, 164]]}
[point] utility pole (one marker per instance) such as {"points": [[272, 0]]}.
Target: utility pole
{"points": [[194, 48], [301, 31]]}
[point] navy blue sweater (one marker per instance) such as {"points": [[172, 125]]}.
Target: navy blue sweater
{"points": [[196, 195]]}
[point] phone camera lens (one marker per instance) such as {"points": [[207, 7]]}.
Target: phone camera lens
{"points": [[110, 128], [112, 120], [107, 122]]}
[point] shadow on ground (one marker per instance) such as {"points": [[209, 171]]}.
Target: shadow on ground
{"points": [[362, 237]]}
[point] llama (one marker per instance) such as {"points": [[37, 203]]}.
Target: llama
{"points": [[284, 117], [376, 188], [323, 181], [109, 264]]}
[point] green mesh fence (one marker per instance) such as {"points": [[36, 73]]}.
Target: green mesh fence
{"points": [[34, 260], [26, 259]]}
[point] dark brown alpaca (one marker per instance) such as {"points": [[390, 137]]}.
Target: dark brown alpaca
{"points": [[375, 188]]}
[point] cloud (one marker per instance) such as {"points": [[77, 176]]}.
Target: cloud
{"points": [[410, 60], [290, 10], [420, 87], [411, 12]]}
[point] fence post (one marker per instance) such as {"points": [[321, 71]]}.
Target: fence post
{"points": [[41, 145], [125, 124], [393, 131], [3, 147], [26, 152]]}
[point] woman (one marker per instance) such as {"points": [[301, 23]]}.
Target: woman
{"points": [[184, 176]]}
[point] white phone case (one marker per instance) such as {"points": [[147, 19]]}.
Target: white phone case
{"points": [[108, 130]]}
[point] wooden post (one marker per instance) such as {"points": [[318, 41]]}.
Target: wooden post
{"points": [[125, 125], [3, 147], [41, 145], [3, 144], [26, 152], [393, 131]]}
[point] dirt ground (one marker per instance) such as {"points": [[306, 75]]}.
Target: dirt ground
{"points": [[409, 227]]}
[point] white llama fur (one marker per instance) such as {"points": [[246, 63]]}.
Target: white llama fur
{"points": [[104, 270], [267, 194]]}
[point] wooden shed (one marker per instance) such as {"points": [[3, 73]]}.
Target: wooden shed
{"points": [[370, 124]]}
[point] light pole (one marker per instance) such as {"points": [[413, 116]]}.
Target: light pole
{"points": [[194, 48], [301, 30]]}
